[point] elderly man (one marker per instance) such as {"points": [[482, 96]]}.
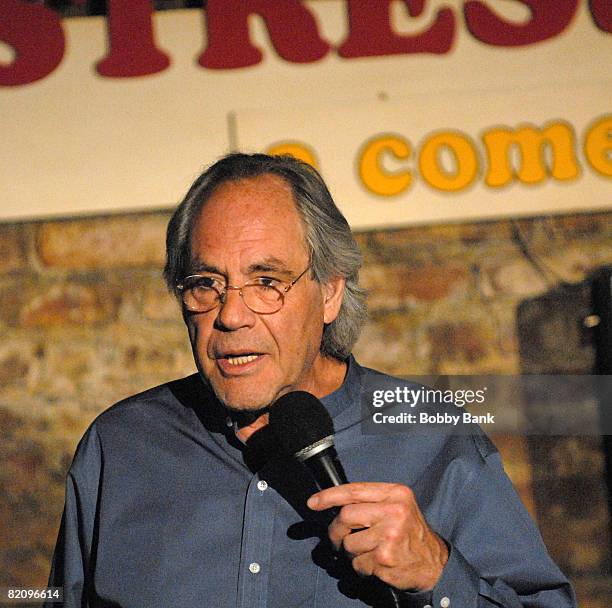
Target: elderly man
{"points": [[178, 496]]}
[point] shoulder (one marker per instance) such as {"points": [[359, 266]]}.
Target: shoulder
{"points": [[147, 417], [165, 399], [162, 395]]}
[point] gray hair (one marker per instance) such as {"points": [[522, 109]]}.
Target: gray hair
{"points": [[332, 249]]}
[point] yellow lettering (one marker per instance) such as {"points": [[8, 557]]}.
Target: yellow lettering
{"points": [[296, 149], [465, 161], [374, 176], [532, 142], [598, 146]]}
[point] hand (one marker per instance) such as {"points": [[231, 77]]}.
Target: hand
{"points": [[397, 545]]}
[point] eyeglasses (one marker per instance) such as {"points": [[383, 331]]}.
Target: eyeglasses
{"points": [[263, 295]]}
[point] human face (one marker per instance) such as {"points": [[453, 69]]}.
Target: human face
{"points": [[247, 229]]}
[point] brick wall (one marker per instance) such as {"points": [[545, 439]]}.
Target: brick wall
{"points": [[85, 320]]}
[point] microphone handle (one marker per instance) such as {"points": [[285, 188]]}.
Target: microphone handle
{"points": [[326, 469], [328, 473]]}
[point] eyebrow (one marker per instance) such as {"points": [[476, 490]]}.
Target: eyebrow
{"points": [[269, 264], [198, 266]]}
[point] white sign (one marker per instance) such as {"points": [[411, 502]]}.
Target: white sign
{"points": [[451, 156], [78, 141]]}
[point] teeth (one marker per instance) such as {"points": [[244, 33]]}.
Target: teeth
{"points": [[242, 359]]}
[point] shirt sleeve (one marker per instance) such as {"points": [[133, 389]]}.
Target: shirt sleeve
{"points": [[497, 557], [71, 564]]}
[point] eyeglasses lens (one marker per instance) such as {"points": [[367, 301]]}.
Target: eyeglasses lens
{"points": [[259, 298]]}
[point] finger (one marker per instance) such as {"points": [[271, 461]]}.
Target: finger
{"points": [[360, 542], [355, 517], [389, 547], [364, 564], [368, 564], [350, 493]]}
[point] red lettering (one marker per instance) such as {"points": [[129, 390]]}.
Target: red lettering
{"points": [[602, 14], [132, 47], [36, 35], [370, 32], [548, 19], [293, 32]]}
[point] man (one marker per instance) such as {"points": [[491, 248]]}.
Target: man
{"points": [[178, 496]]}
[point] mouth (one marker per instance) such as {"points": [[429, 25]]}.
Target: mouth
{"points": [[240, 359], [233, 363]]}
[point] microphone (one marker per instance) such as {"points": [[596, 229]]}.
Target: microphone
{"points": [[305, 431]]}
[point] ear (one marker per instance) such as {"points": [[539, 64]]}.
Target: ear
{"points": [[333, 292]]}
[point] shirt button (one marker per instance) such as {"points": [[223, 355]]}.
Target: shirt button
{"points": [[262, 485], [229, 422], [254, 567], [428, 606], [444, 602]]}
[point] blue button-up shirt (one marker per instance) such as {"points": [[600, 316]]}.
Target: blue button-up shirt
{"points": [[166, 508]]}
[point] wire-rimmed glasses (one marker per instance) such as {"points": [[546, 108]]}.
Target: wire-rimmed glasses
{"points": [[263, 295]]}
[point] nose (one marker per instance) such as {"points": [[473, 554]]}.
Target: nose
{"points": [[233, 312]]}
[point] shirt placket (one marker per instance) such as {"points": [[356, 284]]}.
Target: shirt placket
{"points": [[256, 548]]}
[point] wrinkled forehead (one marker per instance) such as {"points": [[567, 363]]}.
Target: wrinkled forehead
{"points": [[255, 215]]}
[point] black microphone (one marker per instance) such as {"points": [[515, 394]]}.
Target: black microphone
{"points": [[305, 431]]}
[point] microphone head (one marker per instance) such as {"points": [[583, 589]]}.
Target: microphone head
{"points": [[301, 424]]}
